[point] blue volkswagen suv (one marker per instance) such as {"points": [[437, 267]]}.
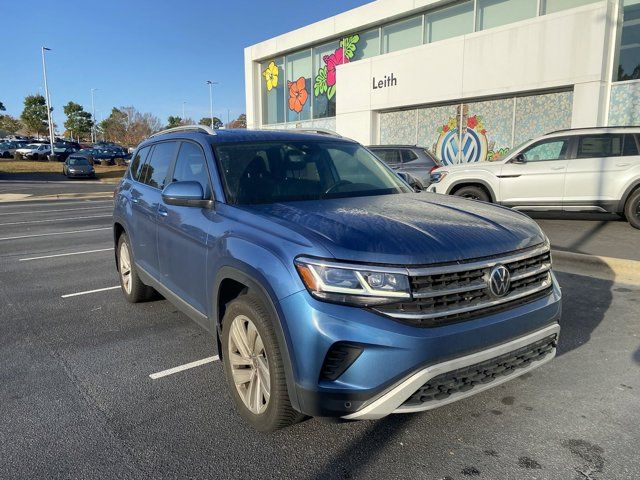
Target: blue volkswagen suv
{"points": [[330, 286]]}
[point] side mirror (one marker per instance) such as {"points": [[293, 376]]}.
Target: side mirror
{"points": [[520, 159], [185, 194], [412, 181]]}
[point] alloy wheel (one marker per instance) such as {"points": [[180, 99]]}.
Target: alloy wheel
{"points": [[249, 364], [125, 268]]}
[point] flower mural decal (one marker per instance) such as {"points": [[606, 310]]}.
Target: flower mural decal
{"points": [[298, 94], [325, 81], [271, 76]]}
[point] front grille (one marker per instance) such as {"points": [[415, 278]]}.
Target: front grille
{"points": [[454, 293], [464, 379]]}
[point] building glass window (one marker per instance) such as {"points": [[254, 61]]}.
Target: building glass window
{"points": [[493, 13], [629, 53], [273, 87], [449, 22], [325, 60], [298, 86], [551, 6], [368, 45], [401, 35]]}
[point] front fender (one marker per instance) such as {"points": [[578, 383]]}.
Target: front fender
{"points": [[257, 281]]}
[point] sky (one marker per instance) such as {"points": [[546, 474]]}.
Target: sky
{"points": [[153, 55]]}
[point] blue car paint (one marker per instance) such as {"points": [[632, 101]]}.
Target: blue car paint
{"points": [[260, 242]]}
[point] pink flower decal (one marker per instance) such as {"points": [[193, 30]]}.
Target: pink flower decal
{"points": [[332, 61]]}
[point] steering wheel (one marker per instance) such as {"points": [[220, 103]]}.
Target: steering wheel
{"points": [[336, 185]]}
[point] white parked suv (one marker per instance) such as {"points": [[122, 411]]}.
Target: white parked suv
{"points": [[588, 169]]}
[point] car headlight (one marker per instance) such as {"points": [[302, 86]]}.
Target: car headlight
{"points": [[438, 175], [360, 285]]}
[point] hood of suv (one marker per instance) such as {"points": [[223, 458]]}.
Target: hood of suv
{"points": [[407, 228]]}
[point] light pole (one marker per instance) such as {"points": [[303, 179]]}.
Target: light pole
{"points": [[183, 117], [48, 101], [93, 115], [211, 84]]}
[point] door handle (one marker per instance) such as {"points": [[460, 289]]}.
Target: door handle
{"points": [[557, 168], [134, 200], [622, 164], [162, 212]]}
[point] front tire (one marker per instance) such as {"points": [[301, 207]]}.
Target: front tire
{"points": [[473, 193], [132, 287], [632, 209], [253, 365]]}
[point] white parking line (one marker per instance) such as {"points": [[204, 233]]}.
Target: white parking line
{"points": [[186, 366], [55, 210], [64, 254], [68, 232], [89, 291], [54, 220]]}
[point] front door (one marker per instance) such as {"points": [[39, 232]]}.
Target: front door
{"points": [[538, 177], [183, 233], [146, 196]]}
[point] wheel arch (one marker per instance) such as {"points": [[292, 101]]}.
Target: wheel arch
{"points": [[476, 182], [635, 185], [233, 281]]}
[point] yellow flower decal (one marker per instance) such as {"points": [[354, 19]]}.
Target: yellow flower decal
{"points": [[271, 76], [453, 123]]}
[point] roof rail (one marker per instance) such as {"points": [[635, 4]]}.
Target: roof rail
{"points": [[185, 128], [320, 131], [611, 127]]}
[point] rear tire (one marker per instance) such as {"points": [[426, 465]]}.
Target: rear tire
{"points": [[632, 209], [473, 193], [253, 365], [132, 287]]}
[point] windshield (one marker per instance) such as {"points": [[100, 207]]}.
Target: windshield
{"points": [[78, 161], [270, 172]]}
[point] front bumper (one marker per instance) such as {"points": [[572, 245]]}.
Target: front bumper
{"points": [[397, 359], [393, 400]]}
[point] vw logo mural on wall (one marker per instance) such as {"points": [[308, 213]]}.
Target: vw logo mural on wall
{"points": [[469, 145]]}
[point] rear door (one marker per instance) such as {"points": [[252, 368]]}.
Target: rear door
{"points": [[539, 181], [183, 232], [596, 176], [146, 196]]}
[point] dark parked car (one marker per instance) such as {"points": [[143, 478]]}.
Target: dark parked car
{"points": [[417, 161], [77, 166], [98, 155], [329, 286]]}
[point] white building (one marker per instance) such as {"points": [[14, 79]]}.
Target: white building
{"points": [[414, 71]]}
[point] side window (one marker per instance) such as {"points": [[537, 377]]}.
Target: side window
{"points": [[630, 145], [191, 165], [408, 156], [552, 149], [593, 146], [388, 156], [155, 170], [137, 162]]}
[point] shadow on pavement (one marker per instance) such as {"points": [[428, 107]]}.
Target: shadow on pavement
{"points": [[364, 450], [585, 301]]}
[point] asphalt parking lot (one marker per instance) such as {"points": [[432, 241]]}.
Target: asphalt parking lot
{"points": [[78, 400]]}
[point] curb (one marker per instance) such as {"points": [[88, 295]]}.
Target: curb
{"points": [[606, 268], [16, 197]]}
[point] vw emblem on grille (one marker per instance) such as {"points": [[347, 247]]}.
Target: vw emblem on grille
{"points": [[499, 281]]}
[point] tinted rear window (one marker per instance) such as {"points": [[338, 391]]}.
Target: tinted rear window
{"points": [[607, 145]]}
